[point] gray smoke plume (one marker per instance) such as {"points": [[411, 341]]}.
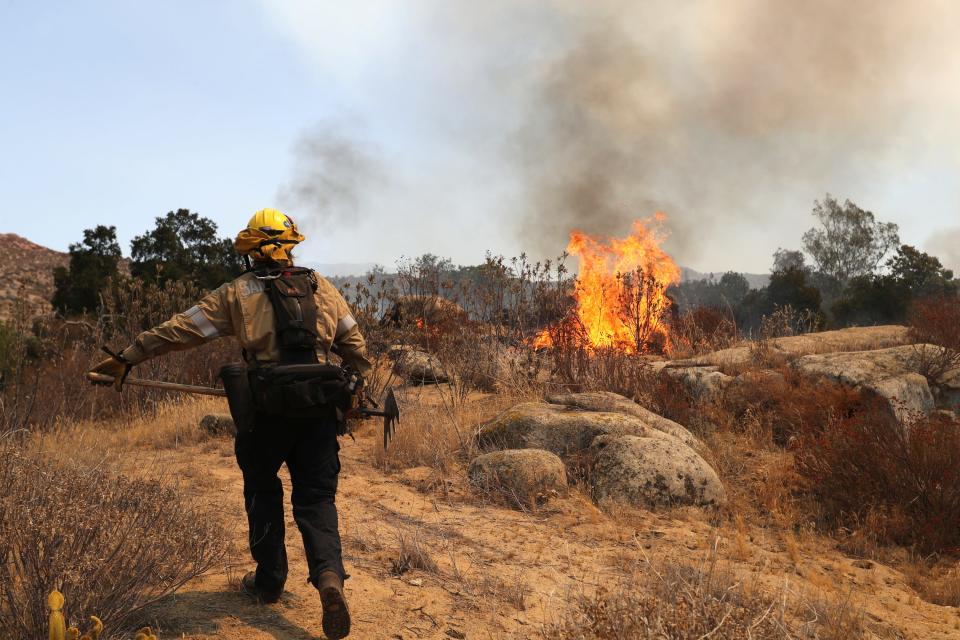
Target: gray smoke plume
{"points": [[333, 173], [725, 114], [945, 244], [511, 122]]}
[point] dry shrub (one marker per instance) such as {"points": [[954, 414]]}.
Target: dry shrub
{"points": [[775, 406], [110, 544], [702, 330], [43, 363], [939, 584], [936, 322], [707, 601], [783, 322], [904, 481]]}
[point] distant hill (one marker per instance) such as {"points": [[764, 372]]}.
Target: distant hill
{"points": [[756, 280], [26, 272]]}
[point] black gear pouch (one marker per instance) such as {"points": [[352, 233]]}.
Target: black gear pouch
{"points": [[312, 391], [239, 396]]}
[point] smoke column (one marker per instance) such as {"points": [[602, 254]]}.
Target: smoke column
{"points": [[510, 123]]}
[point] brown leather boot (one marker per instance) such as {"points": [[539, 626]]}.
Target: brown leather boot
{"points": [[336, 615], [249, 586]]}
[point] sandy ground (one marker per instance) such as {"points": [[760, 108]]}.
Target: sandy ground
{"points": [[499, 573]]}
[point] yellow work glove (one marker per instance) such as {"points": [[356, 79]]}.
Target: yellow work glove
{"points": [[114, 368]]}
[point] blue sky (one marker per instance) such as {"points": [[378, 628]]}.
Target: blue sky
{"points": [[117, 112]]}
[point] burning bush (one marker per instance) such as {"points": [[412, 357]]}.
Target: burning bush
{"points": [[110, 544], [620, 292], [904, 482]]}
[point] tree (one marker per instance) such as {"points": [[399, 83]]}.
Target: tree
{"points": [[920, 273], [784, 259], [184, 245], [733, 288], [913, 275], [850, 242], [92, 262], [729, 291], [790, 287]]}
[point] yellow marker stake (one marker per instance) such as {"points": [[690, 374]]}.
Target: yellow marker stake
{"points": [[58, 627], [97, 628]]}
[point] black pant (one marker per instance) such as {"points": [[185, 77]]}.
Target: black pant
{"points": [[310, 449]]}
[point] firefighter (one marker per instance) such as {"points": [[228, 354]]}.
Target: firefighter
{"points": [[281, 315]]}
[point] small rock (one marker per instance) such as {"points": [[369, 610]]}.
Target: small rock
{"points": [[948, 390], [526, 477], [218, 424], [416, 582]]}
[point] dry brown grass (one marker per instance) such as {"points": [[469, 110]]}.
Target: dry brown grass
{"points": [[709, 600], [436, 431], [171, 425]]}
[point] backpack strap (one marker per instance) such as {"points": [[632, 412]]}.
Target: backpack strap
{"points": [[291, 292]]}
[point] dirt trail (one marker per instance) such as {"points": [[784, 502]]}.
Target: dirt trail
{"points": [[499, 573]]}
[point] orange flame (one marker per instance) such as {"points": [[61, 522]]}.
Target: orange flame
{"points": [[607, 283]]}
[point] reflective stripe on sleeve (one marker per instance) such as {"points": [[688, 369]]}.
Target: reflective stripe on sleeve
{"points": [[196, 316], [346, 323]]}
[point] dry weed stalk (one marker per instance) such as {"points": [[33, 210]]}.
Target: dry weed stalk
{"points": [[412, 554]]}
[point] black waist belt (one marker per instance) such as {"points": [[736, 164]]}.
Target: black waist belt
{"points": [[302, 390]]}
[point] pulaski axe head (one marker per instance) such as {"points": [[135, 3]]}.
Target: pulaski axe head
{"points": [[391, 415]]}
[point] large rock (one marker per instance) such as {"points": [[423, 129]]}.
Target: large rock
{"points": [[558, 429], [647, 471], [891, 374], [417, 367], [524, 476], [851, 339], [614, 402], [426, 310]]}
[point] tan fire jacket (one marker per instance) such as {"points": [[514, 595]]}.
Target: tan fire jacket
{"points": [[242, 308]]}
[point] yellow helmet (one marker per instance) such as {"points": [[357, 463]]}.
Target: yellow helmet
{"points": [[269, 237]]}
